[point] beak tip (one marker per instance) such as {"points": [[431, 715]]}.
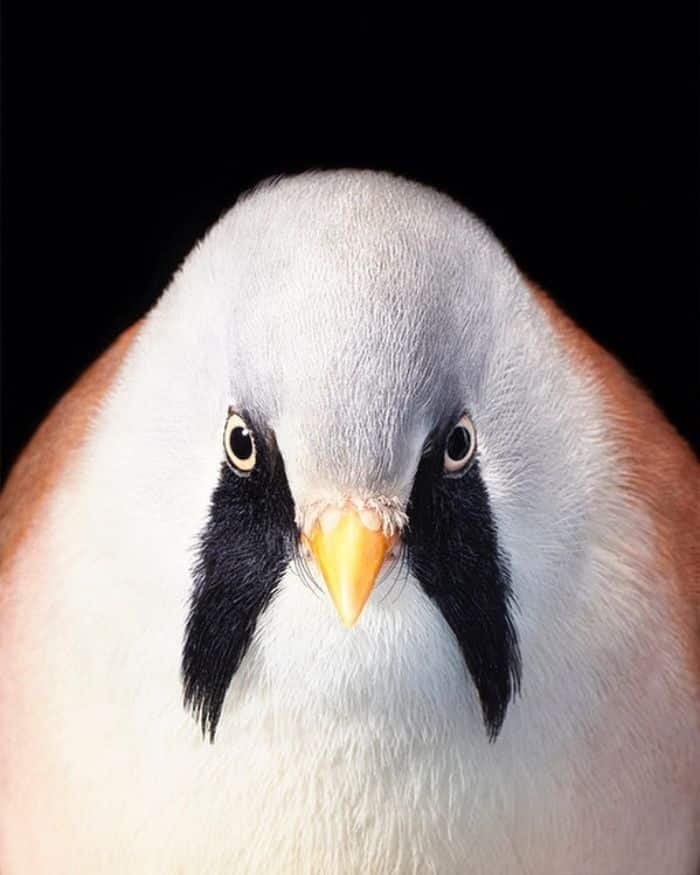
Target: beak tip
{"points": [[349, 614], [349, 622]]}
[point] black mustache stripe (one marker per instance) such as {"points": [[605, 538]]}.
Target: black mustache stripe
{"points": [[453, 552], [244, 552]]}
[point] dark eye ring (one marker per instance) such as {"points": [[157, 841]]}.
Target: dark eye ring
{"points": [[239, 444], [460, 447]]}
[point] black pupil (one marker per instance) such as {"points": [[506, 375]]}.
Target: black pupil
{"points": [[458, 444], [241, 443]]}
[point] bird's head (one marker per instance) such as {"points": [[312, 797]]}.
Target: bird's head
{"points": [[365, 403]]}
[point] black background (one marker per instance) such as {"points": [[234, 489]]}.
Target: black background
{"points": [[575, 138]]}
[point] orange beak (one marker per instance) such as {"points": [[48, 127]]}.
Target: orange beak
{"points": [[349, 556]]}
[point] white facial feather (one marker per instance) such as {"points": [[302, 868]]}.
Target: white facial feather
{"points": [[353, 312]]}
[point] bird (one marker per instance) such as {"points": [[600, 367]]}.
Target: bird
{"points": [[354, 555]]}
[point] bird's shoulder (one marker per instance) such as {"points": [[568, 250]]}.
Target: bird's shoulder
{"points": [[662, 471], [38, 468]]}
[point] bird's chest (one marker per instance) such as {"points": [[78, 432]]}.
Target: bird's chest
{"points": [[326, 792], [314, 790], [358, 751]]}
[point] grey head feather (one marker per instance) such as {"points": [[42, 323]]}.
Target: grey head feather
{"points": [[362, 315]]}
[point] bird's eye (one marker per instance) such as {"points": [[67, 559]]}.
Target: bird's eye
{"points": [[460, 447], [239, 444]]}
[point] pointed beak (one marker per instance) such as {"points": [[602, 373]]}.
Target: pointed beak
{"points": [[349, 556]]}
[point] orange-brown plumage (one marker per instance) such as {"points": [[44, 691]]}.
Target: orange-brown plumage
{"points": [[662, 471], [38, 469]]}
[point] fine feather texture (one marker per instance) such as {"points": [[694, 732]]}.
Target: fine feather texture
{"points": [[353, 311], [454, 553], [246, 547]]}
